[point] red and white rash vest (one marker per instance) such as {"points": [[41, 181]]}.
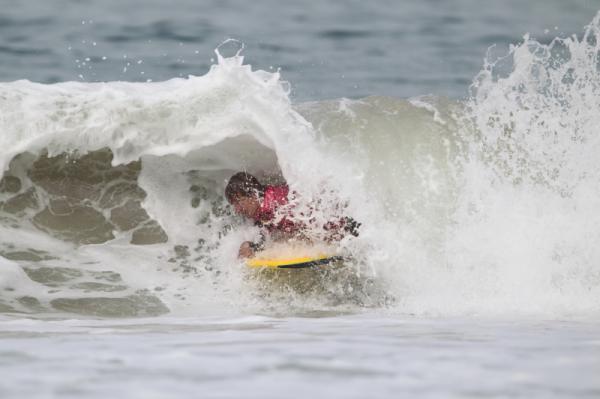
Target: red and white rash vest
{"points": [[269, 216]]}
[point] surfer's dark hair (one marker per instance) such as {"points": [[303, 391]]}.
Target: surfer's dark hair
{"points": [[243, 184]]}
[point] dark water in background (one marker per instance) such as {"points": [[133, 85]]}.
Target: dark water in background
{"points": [[325, 49]]}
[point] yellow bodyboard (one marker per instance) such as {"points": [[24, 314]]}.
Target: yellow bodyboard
{"points": [[292, 263]]}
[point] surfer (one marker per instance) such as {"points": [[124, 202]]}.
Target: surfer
{"points": [[268, 206]]}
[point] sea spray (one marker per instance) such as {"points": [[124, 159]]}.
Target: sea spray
{"points": [[528, 219], [112, 196], [126, 180], [494, 201]]}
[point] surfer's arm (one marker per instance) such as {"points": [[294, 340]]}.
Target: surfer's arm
{"points": [[246, 250], [249, 248]]}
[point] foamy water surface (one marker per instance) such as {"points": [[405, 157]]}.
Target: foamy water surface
{"points": [[475, 273]]}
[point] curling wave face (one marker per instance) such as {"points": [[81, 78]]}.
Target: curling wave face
{"points": [[111, 199]]}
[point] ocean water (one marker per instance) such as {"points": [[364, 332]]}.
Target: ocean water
{"points": [[466, 146]]}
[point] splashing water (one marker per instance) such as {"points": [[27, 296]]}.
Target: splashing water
{"points": [[111, 201], [527, 209]]}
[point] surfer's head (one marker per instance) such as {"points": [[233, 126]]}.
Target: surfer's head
{"points": [[244, 192]]}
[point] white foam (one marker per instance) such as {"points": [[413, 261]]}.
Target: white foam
{"points": [[457, 218]]}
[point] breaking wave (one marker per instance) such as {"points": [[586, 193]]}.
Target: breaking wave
{"points": [[111, 201]]}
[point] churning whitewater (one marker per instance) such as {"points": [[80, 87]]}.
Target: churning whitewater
{"points": [[111, 201]]}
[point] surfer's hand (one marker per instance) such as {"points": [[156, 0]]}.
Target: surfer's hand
{"points": [[246, 250]]}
